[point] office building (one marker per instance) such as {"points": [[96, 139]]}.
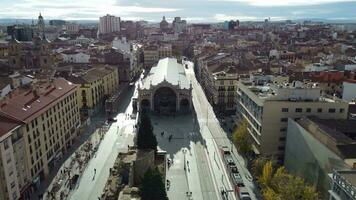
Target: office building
{"points": [[268, 106]]}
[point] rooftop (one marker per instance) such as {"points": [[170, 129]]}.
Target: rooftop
{"points": [[338, 135], [91, 75], [167, 69], [295, 91], [30, 104]]}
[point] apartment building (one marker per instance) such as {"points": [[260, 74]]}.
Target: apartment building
{"points": [[36, 127], [268, 106], [109, 24], [152, 53], [225, 85], [218, 76], [97, 83]]}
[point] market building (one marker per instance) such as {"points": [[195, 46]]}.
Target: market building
{"points": [[166, 89]]}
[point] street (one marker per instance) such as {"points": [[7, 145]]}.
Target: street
{"points": [[216, 138]]}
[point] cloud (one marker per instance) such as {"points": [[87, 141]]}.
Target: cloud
{"points": [[83, 9], [223, 17], [273, 3], [192, 10]]}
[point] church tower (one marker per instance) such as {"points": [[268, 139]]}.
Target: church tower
{"points": [[41, 26]]}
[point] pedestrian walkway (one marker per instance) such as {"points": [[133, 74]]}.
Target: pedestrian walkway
{"points": [[71, 171]]}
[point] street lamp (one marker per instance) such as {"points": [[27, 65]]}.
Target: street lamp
{"points": [[184, 152]]}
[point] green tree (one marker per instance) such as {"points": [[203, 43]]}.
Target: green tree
{"points": [[241, 139], [145, 136], [153, 187]]}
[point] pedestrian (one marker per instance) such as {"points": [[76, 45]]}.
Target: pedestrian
{"points": [[94, 170]]}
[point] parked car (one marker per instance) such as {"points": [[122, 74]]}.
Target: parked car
{"points": [[243, 194], [238, 180]]}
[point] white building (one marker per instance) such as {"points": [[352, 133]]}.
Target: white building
{"points": [[122, 44], [75, 57], [349, 90], [109, 24]]}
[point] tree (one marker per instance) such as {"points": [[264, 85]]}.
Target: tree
{"points": [[266, 176], [279, 184], [257, 166], [145, 137], [153, 187], [241, 139]]}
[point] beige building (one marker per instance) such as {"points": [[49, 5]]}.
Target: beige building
{"points": [[96, 84], [268, 106], [152, 53], [218, 77], [225, 85], [36, 127]]}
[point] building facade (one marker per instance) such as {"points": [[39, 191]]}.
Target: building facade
{"points": [[166, 90], [109, 24], [34, 54], [343, 185], [267, 109], [37, 127], [152, 53], [96, 85]]}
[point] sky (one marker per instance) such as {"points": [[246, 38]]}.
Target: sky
{"points": [[191, 10]]}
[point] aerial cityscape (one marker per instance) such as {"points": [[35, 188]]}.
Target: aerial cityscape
{"points": [[178, 100]]}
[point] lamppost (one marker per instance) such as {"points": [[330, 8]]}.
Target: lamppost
{"points": [[184, 152]]}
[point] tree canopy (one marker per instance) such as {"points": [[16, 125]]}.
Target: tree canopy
{"points": [[279, 184], [241, 139], [145, 136], [153, 187]]}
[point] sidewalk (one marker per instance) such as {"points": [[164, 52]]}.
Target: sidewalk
{"points": [[70, 172], [81, 139]]}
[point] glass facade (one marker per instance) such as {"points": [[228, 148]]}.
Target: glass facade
{"points": [[307, 157]]}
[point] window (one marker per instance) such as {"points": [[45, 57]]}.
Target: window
{"points": [[6, 145], [320, 110], [281, 148], [13, 184], [298, 110], [332, 110], [284, 109], [342, 110], [308, 110], [282, 139], [284, 119], [283, 129]]}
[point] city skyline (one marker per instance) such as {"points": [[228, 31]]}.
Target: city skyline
{"points": [[214, 10]]}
